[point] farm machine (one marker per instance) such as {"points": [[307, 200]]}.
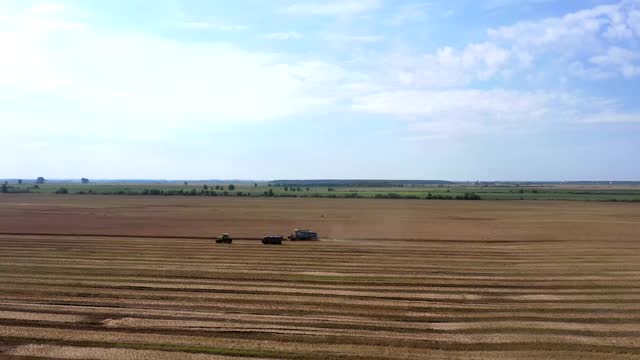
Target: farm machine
{"points": [[272, 240], [300, 234], [224, 239], [297, 235]]}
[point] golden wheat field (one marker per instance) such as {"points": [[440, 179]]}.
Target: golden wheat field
{"points": [[109, 277]]}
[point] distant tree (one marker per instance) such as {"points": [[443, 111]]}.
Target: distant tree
{"points": [[255, 185], [62, 190], [471, 196], [4, 189], [19, 181], [270, 192], [286, 188], [36, 187], [232, 187], [186, 183], [40, 180], [205, 187], [84, 180], [307, 189]]}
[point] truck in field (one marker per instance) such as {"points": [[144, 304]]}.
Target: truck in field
{"points": [[302, 234], [273, 240]]}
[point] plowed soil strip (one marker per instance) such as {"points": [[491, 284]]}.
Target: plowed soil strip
{"points": [[76, 352]]}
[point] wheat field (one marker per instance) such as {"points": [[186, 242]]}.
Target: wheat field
{"points": [[493, 291]]}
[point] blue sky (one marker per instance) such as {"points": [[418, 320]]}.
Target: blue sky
{"points": [[458, 90]]}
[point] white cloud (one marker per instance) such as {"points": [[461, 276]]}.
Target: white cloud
{"points": [[47, 8], [450, 111], [612, 117], [580, 70], [94, 81], [40, 17], [449, 67], [207, 25], [101, 81], [23, 63], [332, 8], [634, 21], [291, 35], [622, 59], [590, 33], [598, 43], [352, 38], [408, 13], [569, 30], [460, 112], [497, 4]]}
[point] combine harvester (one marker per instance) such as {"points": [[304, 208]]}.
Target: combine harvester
{"points": [[303, 235]]}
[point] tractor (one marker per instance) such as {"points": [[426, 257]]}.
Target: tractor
{"points": [[224, 239], [300, 234], [273, 240]]}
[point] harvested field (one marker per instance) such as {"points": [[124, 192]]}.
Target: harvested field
{"points": [[106, 277]]}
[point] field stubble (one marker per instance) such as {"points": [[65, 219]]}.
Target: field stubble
{"points": [[392, 279]]}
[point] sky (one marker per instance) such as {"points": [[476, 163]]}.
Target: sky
{"points": [[344, 89]]}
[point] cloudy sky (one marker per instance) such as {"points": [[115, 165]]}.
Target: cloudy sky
{"points": [[257, 89]]}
